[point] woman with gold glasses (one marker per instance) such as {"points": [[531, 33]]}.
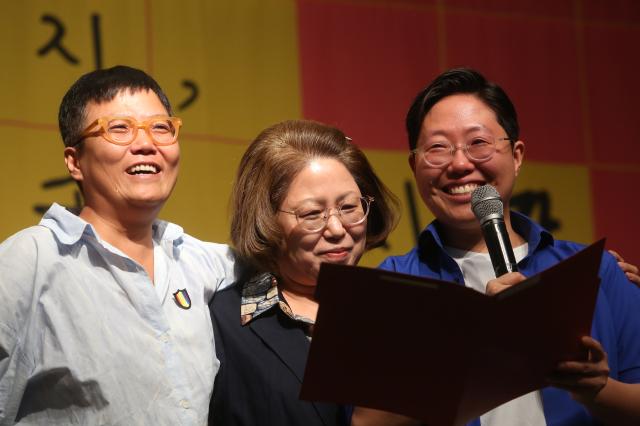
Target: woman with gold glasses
{"points": [[304, 194]]}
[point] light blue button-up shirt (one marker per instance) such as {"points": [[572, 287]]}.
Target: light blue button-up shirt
{"points": [[86, 338]]}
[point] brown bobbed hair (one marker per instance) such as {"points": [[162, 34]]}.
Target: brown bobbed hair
{"points": [[269, 166]]}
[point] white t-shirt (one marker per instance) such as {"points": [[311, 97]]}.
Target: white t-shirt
{"points": [[525, 410]]}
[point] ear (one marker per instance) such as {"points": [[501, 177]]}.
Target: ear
{"points": [[72, 160], [518, 155], [412, 162]]}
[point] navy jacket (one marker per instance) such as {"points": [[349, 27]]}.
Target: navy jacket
{"points": [[261, 371]]}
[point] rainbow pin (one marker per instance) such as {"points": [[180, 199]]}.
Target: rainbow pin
{"points": [[182, 298]]}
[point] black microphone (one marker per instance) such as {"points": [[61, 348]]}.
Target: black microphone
{"points": [[488, 209]]}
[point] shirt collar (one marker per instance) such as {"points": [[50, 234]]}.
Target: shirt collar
{"points": [[535, 235], [69, 228], [260, 294], [66, 226]]}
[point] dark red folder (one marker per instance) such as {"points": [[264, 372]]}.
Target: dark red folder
{"points": [[441, 352]]}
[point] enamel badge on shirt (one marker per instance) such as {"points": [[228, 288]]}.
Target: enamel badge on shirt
{"points": [[182, 298]]}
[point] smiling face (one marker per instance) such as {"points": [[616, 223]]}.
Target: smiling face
{"points": [[323, 183], [113, 177], [458, 119]]}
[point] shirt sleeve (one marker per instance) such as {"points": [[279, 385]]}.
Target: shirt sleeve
{"points": [[624, 300], [388, 264], [224, 264], [18, 266]]}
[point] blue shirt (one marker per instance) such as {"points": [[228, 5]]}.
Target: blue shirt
{"points": [[616, 322], [85, 337]]}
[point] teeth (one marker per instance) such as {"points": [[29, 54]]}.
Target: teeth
{"points": [[143, 168], [464, 189]]}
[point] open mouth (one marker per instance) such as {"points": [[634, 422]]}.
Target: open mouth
{"points": [[461, 189], [143, 169]]}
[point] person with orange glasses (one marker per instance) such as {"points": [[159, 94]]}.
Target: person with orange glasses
{"points": [[104, 315]]}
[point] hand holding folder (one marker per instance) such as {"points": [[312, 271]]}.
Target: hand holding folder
{"points": [[441, 352]]}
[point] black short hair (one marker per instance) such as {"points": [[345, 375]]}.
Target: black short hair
{"points": [[101, 86], [461, 81]]}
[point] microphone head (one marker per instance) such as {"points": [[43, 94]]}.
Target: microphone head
{"points": [[486, 203]]}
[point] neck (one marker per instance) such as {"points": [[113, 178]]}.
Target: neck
{"points": [[301, 298], [130, 234], [114, 228], [470, 238]]}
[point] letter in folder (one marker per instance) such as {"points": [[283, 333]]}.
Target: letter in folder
{"points": [[438, 351]]}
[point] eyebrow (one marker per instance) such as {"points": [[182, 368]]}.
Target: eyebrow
{"points": [[142, 117], [471, 129], [317, 201]]}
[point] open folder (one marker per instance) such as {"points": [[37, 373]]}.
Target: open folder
{"points": [[438, 351]]}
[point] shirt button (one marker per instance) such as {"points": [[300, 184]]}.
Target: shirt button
{"points": [[184, 404], [164, 338]]}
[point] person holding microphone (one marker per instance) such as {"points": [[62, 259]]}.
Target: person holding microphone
{"points": [[463, 133]]}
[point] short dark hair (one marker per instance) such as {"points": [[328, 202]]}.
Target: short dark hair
{"points": [[101, 86], [266, 171], [461, 81]]}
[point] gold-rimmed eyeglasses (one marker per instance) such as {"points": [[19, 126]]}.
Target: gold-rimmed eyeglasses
{"points": [[122, 130], [440, 154], [351, 212]]}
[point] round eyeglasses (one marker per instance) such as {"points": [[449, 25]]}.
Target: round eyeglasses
{"points": [[440, 154], [351, 212], [123, 130]]}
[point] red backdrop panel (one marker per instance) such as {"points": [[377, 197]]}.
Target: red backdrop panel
{"points": [[612, 68], [616, 205], [568, 67], [612, 10], [553, 8], [362, 65], [535, 61]]}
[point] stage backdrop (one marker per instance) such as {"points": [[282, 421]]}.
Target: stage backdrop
{"points": [[233, 67]]}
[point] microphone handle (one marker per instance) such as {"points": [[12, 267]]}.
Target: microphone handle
{"points": [[499, 246]]}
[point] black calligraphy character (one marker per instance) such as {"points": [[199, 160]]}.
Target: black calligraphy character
{"points": [[189, 84], [97, 42], [525, 202], [55, 42], [56, 182]]}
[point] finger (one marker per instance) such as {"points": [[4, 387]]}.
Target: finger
{"points": [[582, 391], [616, 255], [577, 369], [634, 278], [494, 287], [596, 351], [511, 278], [631, 271], [576, 383], [628, 267], [575, 380], [503, 282]]}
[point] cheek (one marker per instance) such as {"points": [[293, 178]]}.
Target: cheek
{"points": [[304, 252], [299, 248], [359, 247], [299, 263], [426, 188], [425, 179], [106, 167], [172, 158]]}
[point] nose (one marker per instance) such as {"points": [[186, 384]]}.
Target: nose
{"points": [[460, 163], [335, 228], [143, 143]]}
